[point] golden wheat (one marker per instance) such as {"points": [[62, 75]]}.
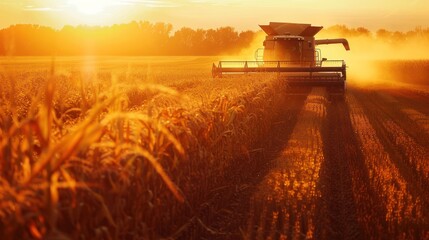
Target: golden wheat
{"points": [[119, 148]]}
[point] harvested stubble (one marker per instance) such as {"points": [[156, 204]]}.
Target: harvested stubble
{"points": [[419, 118], [402, 214], [416, 155], [107, 172], [285, 203], [404, 71]]}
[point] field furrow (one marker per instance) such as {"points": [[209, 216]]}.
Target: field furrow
{"points": [[403, 209], [286, 201], [403, 132], [388, 107], [419, 118], [410, 99], [414, 107], [341, 176]]}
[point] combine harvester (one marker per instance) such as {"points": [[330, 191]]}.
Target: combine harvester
{"points": [[290, 52]]}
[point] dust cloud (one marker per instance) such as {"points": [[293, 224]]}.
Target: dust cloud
{"points": [[381, 57], [249, 52], [246, 54]]}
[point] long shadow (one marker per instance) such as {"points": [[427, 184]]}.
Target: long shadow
{"points": [[336, 210], [410, 99], [394, 112], [228, 212], [349, 207]]}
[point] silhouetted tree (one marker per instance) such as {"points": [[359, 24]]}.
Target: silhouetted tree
{"points": [[146, 38]]}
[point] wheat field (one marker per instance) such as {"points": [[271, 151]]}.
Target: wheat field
{"points": [[150, 148]]}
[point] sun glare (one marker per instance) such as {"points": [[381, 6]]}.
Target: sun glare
{"points": [[90, 7]]}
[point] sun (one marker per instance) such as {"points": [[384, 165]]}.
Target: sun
{"points": [[90, 7]]}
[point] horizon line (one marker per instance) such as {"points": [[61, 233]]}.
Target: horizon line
{"points": [[178, 28]]}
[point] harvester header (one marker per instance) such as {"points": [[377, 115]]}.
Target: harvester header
{"points": [[290, 49]]}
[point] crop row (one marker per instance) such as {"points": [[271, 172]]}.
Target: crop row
{"points": [[285, 203], [419, 118], [402, 210]]}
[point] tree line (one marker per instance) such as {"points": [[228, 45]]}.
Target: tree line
{"points": [[382, 34], [135, 38], [146, 38]]}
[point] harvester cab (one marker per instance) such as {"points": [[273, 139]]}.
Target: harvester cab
{"points": [[290, 51]]}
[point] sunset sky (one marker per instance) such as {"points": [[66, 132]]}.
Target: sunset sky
{"points": [[373, 14]]}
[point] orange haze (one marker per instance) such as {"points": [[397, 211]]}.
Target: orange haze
{"points": [[369, 50]]}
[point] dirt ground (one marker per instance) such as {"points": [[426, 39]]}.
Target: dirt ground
{"points": [[356, 168]]}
